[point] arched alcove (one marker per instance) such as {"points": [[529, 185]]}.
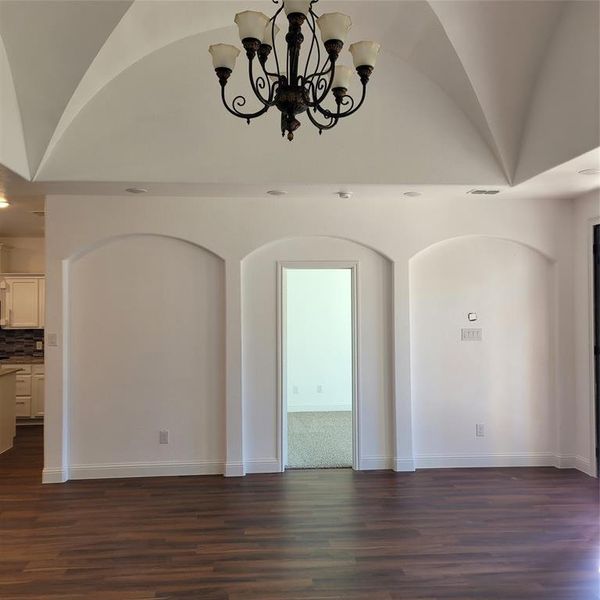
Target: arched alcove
{"points": [[166, 373], [260, 347], [504, 381]]}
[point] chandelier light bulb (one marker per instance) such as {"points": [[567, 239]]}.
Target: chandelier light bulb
{"points": [[334, 26], [364, 54], [224, 56], [4, 202], [251, 25], [304, 82], [270, 34], [297, 6], [342, 77]]}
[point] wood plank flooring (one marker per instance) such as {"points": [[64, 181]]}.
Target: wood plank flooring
{"points": [[476, 534]]}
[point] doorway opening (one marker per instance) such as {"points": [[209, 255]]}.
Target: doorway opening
{"points": [[318, 342]]}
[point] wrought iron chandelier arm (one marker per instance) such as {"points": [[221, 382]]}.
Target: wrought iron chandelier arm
{"points": [[315, 86], [333, 121], [237, 103], [344, 101], [311, 25], [259, 83]]}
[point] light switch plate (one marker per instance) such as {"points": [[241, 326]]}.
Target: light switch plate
{"points": [[470, 334], [52, 339]]}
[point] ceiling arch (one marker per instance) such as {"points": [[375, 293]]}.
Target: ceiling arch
{"points": [[137, 128], [496, 62]]}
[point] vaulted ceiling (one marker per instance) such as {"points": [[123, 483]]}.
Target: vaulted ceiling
{"points": [[465, 92]]}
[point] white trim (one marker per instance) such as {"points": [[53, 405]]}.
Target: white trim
{"points": [[234, 469], [151, 469], [376, 463], [320, 408], [585, 466], [404, 465], [54, 476], [265, 465], [508, 459], [590, 257], [281, 359]]}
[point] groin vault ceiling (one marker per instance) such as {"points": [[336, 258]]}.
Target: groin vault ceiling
{"points": [[491, 92]]}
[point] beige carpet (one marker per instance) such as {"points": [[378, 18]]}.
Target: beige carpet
{"points": [[319, 440]]}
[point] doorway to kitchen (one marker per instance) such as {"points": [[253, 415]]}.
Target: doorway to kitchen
{"points": [[318, 370]]}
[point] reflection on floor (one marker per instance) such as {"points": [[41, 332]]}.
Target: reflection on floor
{"points": [[318, 440]]}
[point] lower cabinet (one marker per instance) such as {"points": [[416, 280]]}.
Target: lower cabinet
{"points": [[30, 391], [37, 395]]}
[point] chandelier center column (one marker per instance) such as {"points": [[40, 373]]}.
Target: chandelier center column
{"points": [[294, 39]]}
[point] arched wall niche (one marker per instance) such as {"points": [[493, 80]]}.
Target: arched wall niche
{"points": [[260, 347], [168, 373], [504, 382]]}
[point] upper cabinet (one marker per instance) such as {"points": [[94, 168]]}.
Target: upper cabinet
{"points": [[22, 302]]}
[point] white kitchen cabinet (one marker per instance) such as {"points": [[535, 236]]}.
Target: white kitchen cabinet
{"points": [[37, 395], [41, 302], [23, 302], [29, 392]]}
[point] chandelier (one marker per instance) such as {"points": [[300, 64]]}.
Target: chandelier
{"points": [[296, 84]]}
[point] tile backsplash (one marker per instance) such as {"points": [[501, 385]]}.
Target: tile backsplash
{"points": [[20, 342]]}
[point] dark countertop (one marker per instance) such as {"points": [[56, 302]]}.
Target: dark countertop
{"points": [[22, 360]]}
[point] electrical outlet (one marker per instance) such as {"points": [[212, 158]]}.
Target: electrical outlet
{"points": [[39, 345], [163, 436], [319, 389], [479, 430], [52, 339], [294, 389]]}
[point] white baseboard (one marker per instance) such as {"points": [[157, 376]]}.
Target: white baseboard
{"points": [[569, 461], [234, 469], [153, 469], [457, 461], [54, 476], [265, 465], [375, 463], [585, 465], [404, 465]]}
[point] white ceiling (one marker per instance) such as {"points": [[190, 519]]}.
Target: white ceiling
{"points": [[102, 94]]}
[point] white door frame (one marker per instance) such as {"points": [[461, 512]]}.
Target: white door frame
{"points": [[592, 360], [282, 266]]}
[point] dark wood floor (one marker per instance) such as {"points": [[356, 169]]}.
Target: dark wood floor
{"points": [[477, 534]]}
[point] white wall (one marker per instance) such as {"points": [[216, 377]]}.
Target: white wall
{"points": [[251, 235], [502, 382], [318, 339], [146, 344], [586, 213], [25, 254]]}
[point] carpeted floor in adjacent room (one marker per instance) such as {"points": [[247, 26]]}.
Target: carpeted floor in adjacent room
{"points": [[318, 440]]}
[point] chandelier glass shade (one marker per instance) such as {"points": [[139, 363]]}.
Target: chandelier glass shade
{"points": [[303, 79]]}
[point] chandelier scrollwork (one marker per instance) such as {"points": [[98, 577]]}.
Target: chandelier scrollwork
{"points": [[299, 83]]}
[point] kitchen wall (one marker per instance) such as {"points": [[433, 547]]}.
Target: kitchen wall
{"points": [[20, 342], [25, 254], [250, 236]]}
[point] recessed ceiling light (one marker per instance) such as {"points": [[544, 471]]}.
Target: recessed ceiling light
{"points": [[136, 190], [590, 172], [412, 194], [276, 192], [344, 195]]}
